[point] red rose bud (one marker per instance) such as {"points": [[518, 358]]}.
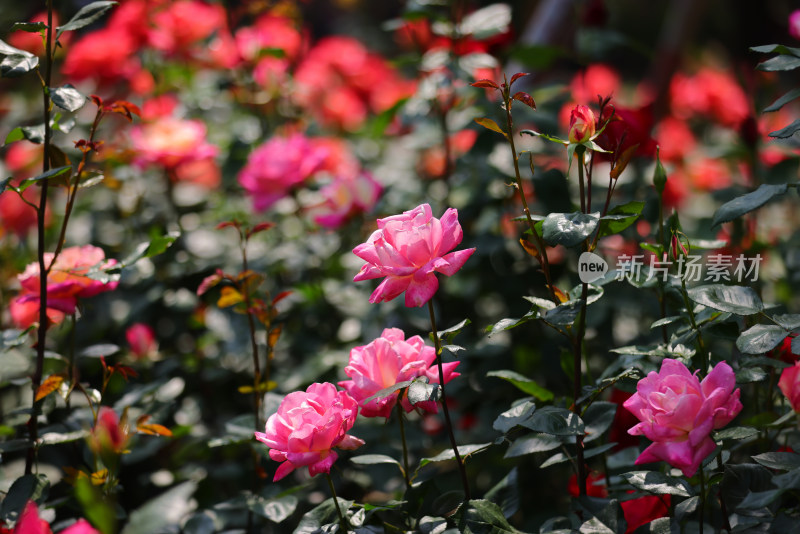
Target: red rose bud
{"points": [[581, 124]]}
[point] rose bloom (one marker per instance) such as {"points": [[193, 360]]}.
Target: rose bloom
{"points": [[678, 413], [269, 31], [106, 55], [582, 124], [183, 24], [29, 522], [794, 24], [306, 428], [277, 166], [142, 340], [108, 434], [711, 92], [386, 361], [408, 249], [597, 79], [790, 385], [66, 283], [346, 197], [170, 142]]}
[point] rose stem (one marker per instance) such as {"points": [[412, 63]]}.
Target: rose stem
{"points": [[400, 415], [342, 520], [438, 347]]}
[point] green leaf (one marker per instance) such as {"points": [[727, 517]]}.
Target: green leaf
{"points": [[14, 135], [569, 229], [447, 336], [736, 432], [506, 493], [782, 101], [30, 27], [276, 509], [34, 134], [782, 461], [620, 217], [25, 488], [776, 49], [16, 65], [657, 483], [599, 516], [563, 314], [555, 421], [523, 383], [779, 63], [52, 173], [463, 450], [789, 321], [385, 392], [740, 300], [747, 203], [760, 338], [373, 459], [759, 499], [95, 508], [532, 444], [513, 416], [786, 132], [545, 136], [157, 245], [597, 419], [486, 22], [421, 391], [481, 516], [588, 453], [509, 323], [67, 97], [313, 520], [85, 16], [100, 349], [162, 511], [54, 438]]}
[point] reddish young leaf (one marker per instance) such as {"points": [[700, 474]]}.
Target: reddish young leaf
{"points": [[260, 227], [529, 248], [229, 297], [124, 108], [280, 296], [490, 125], [154, 429], [125, 371], [486, 84], [228, 224], [525, 98], [97, 100], [273, 336], [209, 282], [516, 77]]}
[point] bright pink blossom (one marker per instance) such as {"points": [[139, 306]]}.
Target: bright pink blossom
{"points": [[29, 521], [678, 413], [183, 24], [386, 361], [66, 283], [794, 24], [81, 526], [790, 385], [277, 166], [409, 249], [306, 428], [109, 435]]}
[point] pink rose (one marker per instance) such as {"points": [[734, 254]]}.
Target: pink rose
{"points": [[171, 142], [386, 361], [678, 413], [66, 283], [307, 426], [408, 249], [29, 521], [142, 340], [109, 435], [790, 385], [185, 23], [277, 166], [581, 124]]}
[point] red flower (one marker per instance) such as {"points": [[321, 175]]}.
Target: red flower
{"points": [[643, 510]]}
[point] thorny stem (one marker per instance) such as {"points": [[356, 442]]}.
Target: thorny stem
{"points": [[661, 303], [438, 348], [690, 311], [400, 416], [33, 422], [342, 520], [539, 243], [702, 505]]}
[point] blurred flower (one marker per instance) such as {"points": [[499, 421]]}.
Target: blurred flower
{"points": [[386, 361], [645, 509], [675, 139], [339, 81], [712, 93], [789, 384], [598, 80], [269, 33], [626, 128], [346, 197], [29, 521], [595, 485], [66, 283], [17, 216], [678, 413], [109, 436], [81, 526], [184, 23], [784, 350], [107, 56], [32, 41], [433, 162], [623, 420], [581, 124], [306, 428], [142, 340], [408, 249], [277, 166], [794, 24]]}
